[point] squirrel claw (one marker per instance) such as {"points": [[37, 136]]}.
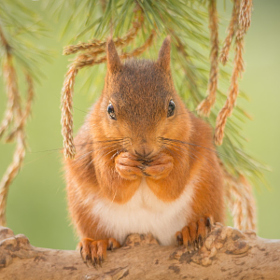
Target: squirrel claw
{"points": [[86, 262], [94, 262], [208, 224], [179, 238], [113, 244], [81, 249], [199, 241], [111, 247], [100, 259], [86, 258]]}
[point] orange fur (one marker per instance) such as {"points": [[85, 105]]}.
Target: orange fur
{"points": [[113, 156]]}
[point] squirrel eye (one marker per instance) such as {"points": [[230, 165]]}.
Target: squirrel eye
{"points": [[111, 111], [171, 108]]}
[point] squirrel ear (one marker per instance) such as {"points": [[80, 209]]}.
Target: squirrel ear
{"points": [[113, 60], [164, 54]]}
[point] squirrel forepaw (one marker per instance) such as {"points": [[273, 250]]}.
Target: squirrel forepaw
{"points": [[193, 235], [160, 167], [128, 166], [94, 251]]}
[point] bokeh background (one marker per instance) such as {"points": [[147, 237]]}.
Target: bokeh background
{"points": [[37, 205]]}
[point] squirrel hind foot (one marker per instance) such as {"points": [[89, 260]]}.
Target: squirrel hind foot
{"points": [[194, 234]]}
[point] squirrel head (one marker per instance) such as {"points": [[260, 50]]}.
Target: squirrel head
{"points": [[139, 103]]}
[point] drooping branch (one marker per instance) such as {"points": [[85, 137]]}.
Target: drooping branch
{"points": [[205, 106], [13, 123], [227, 253], [244, 16]]}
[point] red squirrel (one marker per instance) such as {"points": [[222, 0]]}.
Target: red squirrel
{"points": [[144, 163]]}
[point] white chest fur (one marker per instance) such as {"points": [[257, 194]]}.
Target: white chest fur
{"points": [[145, 213]]}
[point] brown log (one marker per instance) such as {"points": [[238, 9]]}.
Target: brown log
{"points": [[226, 254]]}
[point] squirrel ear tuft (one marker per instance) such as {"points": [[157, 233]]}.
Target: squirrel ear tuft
{"points": [[164, 54], [113, 60]]}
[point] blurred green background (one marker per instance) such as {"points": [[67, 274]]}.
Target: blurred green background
{"points": [[37, 205]]}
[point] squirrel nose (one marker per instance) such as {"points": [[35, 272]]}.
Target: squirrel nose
{"points": [[143, 152]]}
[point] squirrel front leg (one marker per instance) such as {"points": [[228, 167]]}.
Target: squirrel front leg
{"points": [[121, 179], [166, 176]]}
